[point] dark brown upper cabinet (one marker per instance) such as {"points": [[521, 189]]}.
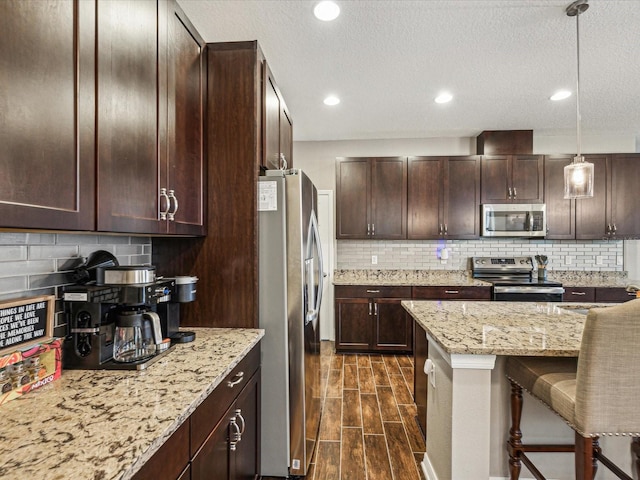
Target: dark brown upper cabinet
{"points": [[611, 213], [512, 178], [47, 117], [277, 126], [150, 119], [371, 198], [186, 173], [443, 197], [561, 213]]}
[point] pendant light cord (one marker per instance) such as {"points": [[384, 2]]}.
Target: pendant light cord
{"points": [[578, 117]]}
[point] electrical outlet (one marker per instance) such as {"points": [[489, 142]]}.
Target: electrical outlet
{"points": [[374, 259], [568, 260]]}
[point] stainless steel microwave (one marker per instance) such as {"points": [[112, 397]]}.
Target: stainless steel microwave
{"points": [[514, 220]]}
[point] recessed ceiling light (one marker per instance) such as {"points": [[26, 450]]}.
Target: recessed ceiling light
{"points": [[560, 95], [326, 11], [444, 98], [331, 100]]}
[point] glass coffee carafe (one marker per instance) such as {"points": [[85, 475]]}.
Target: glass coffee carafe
{"points": [[136, 335]]}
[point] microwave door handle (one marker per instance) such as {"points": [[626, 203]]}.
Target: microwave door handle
{"points": [[530, 221]]}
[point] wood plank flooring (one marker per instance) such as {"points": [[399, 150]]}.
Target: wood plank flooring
{"points": [[368, 429]]}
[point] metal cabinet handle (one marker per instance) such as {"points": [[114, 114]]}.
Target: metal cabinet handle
{"points": [[375, 309], [632, 294], [283, 162], [515, 193], [171, 215], [578, 293], [445, 229], [608, 232], [373, 229], [368, 229], [509, 193], [373, 291], [236, 380], [440, 230], [451, 291], [234, 434], [239, 416], [163, 194], [613, 229], [370, 311]]}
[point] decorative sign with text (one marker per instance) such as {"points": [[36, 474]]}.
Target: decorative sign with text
{"points": [[26, 321]]}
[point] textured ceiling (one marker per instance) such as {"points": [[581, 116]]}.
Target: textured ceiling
{"points": [[388, 59]]}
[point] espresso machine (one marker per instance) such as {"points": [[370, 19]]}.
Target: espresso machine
{"points": [[116, 322]]}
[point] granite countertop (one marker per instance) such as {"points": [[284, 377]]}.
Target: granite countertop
{"points": [[449, 278], [99, 424], [503, 328]]}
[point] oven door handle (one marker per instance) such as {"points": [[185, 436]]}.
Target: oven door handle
{"points": [[525, 290]]}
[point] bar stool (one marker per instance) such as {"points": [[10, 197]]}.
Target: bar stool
{"points": [[596, 394]]}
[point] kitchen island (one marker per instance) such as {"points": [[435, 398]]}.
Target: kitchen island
{"points": [[467, 393], [107, 424]]}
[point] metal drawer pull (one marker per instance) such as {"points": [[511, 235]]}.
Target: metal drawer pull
{"points": [[171, 215], [163, 213], [451, 291], [234, 436], [373, 291], [236, 380], [239, 415], [578, 293]]}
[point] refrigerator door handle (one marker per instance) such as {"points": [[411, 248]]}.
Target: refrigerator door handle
{"points": [[314, 240]]}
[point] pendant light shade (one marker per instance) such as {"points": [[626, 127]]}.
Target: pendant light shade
{"points": [[578, 176]]}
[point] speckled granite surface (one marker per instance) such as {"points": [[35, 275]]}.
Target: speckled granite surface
{"points": [[502, 328], [107, 424], [406, 277], [463, 278]]}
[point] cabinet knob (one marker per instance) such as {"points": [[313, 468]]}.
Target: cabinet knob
{"points": [[171, 216], [163, 194]]}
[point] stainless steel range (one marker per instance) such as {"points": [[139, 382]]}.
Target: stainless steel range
{"points": [[512, 280]]}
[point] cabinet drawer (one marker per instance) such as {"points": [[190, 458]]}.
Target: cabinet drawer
{"points": [[620, 294], [208, 414], [579, 294], [452, 293], [171, 459], [371, 291]]}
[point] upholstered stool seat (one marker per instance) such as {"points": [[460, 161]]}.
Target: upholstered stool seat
{"points": [[595, 394]]}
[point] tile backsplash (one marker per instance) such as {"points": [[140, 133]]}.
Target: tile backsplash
{"points": [[39, 263], [564, 255]]}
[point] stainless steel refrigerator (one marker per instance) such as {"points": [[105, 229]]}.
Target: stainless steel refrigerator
{"points": [[290, 276]]}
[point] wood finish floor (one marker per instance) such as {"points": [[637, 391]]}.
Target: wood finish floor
{"points": [[368, 429]]}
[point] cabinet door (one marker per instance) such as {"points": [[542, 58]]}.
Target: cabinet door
{"points": [[496, 178], [527, 178], [244, 460], [420, 355], [561, 213], [186, 169], [352, 198], [393, 326], [213, 459], [47, 114], [271, 122], [131, 105], [613, 294], [461, 206], [625, 182], [592, 214], [389, 198], [354, 324], [424, 197]]}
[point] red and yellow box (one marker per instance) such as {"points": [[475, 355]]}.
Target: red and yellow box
{"points": [[30, 368]]}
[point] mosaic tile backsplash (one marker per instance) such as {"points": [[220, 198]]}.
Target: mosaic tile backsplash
{"points": [[564, 255]]}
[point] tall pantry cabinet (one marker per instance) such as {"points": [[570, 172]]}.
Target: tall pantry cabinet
{"points": [[226, 261]]}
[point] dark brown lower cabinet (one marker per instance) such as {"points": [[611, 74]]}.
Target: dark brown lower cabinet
{"points": [[220, 440], [371, 319], [579, 294], [613, 294]]}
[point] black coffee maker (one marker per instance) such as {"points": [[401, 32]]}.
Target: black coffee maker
{"points": [[95, 311]]}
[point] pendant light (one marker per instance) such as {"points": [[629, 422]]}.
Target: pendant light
{"points": [[578, 176]]}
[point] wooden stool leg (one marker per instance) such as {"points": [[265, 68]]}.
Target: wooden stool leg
{"points": [[514, 445], [586, 461], [635, 445]]}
